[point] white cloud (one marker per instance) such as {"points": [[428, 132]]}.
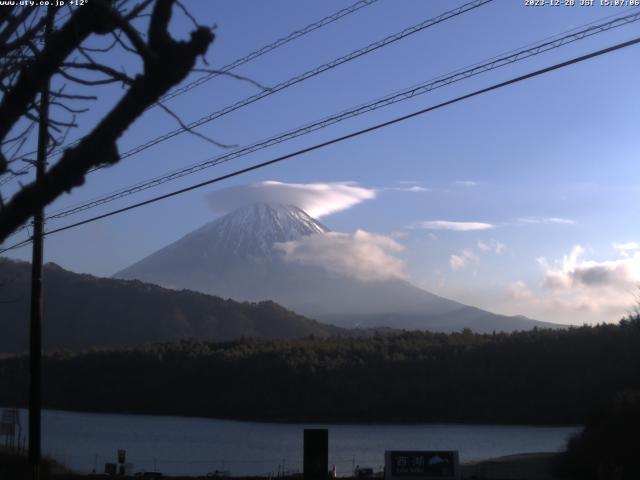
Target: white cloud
{"points": [[467, 256], [414, 188], [520, 291], [364, 255], [317, 199], [574, 273], [626, 249], [455, 226], [456, 262], [465, 183], [411, 186], [576, 289], [492, 245], [546, 220], [575, 285]]}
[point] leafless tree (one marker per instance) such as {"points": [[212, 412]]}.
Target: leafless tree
{"points": [[78, 52]]}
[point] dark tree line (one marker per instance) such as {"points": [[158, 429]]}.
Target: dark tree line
{"points": [[607, 447], [535, 377]]}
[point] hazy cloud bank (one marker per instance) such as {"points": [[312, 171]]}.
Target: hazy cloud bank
{"points": [[364, 255], [576, 284], [572, 272]]}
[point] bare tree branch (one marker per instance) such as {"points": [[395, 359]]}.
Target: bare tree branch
{"points": [[68, 108], [114, 74], [141, 48], [191, 130], [100, 49], [74, 97], [166, 63], [187, 14], [121, 42], [13, 23], [24, 38], [233, 75], [138, 9], [60, 44], [86, 82]]}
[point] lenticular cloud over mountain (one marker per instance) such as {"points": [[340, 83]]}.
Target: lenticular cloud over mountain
{"points": [[317, 199]]}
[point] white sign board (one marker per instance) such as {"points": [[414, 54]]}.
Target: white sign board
{"points": [[421, 465]]}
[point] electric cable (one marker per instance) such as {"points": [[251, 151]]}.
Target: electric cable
{"points": [[357, 133], [402, 95], [226, 68]]}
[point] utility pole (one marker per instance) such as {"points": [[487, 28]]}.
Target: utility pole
{"points": [[35, 334]]}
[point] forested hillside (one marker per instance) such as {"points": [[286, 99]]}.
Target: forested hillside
{"points": [[539, 377], [83, 311]]}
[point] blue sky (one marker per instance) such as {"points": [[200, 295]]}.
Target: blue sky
{"points": [[550, 164]]}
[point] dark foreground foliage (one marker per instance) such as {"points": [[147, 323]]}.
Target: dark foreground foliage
{"points": [[608, 445], [13, 466], [536, 377]]}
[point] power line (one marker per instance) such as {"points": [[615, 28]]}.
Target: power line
{"points": [[17, 245], [227, 68], [318, 146], [268, 48], [406, 94], [308, 74], [304, 76]]}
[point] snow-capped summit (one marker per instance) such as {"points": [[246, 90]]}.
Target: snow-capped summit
{"points": [[251, 230], [245, 234], [234, 256]]}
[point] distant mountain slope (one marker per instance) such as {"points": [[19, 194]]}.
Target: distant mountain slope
{"points": [[234, 257], [454, 321], [82, 311]]}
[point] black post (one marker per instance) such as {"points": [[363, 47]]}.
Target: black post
{"points": [[35, 340], [316, 453]]}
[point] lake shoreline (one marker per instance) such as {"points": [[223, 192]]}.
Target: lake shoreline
{"points": [[310, 420], [521, 466], [195, 446], [518, 466]]}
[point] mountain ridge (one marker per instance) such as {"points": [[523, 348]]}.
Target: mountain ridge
{"points": [[83, 311], [233, 256]]}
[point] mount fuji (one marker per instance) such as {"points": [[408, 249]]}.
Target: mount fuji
{"points": [[236, 256]]}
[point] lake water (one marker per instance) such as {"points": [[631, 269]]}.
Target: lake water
{"points": [[182, 445]]}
